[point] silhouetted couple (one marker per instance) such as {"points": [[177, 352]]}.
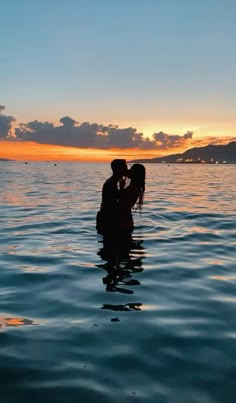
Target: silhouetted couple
{"points": [[118, 200]]}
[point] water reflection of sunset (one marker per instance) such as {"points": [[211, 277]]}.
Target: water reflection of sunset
{"points": [[15, 322], [227, 278]]}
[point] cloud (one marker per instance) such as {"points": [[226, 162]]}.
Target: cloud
{"points": [[94, 135], [5, 124], [67, 121], [213, 141], [165, 141], [84, 135]]}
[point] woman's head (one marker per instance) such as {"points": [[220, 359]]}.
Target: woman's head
{"points": [[137, 175]]}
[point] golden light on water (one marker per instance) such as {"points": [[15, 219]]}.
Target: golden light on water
{"points": [[15, 322]]}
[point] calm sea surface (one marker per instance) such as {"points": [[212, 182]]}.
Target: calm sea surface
{"points": [[157, 326]]}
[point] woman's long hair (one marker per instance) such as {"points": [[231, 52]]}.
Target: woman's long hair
{"points": [[137, 176]]}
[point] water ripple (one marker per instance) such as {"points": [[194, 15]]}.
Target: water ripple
{"points": [[152, 320]]}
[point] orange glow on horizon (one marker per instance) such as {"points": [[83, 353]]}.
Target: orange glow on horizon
{"points": [[22, 151]]}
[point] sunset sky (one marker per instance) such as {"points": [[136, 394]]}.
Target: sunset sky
{"points": [[99, 79]]}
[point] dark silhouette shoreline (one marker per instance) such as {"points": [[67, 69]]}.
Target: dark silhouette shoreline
{"points": [[211, 154]]}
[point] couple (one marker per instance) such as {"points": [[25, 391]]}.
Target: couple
{"points": [[115, 215]]}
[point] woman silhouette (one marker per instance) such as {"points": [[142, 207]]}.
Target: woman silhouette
{"points": [[131, 197]]}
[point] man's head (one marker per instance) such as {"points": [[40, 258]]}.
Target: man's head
{"points": [[119, 167]]}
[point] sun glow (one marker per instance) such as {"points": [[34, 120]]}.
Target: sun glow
{"points": [[23, 151]]}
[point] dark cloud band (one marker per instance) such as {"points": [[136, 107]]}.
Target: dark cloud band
{"points": [[5, 123], [88, 135]]}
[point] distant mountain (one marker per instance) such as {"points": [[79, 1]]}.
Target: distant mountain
{"points": [[208, 154], [5, 159]]}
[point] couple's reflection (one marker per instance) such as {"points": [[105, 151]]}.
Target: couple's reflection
{"points": [[122, 259]]}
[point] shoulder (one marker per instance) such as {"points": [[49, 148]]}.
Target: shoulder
{"points": [[110, 184]]}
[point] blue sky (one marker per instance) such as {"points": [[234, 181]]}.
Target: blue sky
{"points": [[151, 64]]}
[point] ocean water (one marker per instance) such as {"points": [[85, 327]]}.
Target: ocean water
{"points": [[154, 321]]}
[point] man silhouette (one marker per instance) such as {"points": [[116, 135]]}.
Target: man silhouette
{"points": [[108, 214]]}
